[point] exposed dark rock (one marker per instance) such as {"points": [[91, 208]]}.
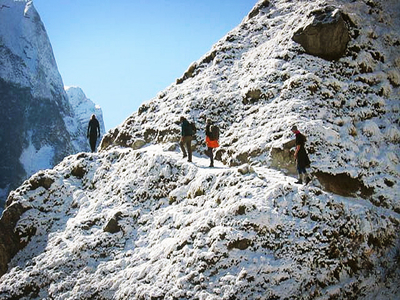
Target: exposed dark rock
{"points": [[41, 180], [188, 74], [241, 244], [137, 144], [112, 225], [344, 185], [244, 157], [109, 138], [256, 10], [193, 69], [10, 242], [252, 96], [326, 36], [123, 138], [282, 158], [78, 171]]}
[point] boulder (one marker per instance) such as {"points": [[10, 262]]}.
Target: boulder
{"points": [[112, 225], [282, 158], [326, 35], [10, 242]]}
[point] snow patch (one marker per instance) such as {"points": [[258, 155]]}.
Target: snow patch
{"points": [[34, 159]]}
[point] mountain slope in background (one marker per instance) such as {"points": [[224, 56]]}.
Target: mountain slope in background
{"points": [[136, 221], [38, 127]]}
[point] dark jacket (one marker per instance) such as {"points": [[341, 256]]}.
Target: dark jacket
{"points": [[302, 157], [208, 131], [186, 128], [93, 128]]}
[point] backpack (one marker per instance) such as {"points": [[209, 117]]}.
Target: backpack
{"points": [[214, 132], [193, 126]]}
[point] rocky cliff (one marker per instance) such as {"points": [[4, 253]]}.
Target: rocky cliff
{"points": [[136, 221], [38, 126]]}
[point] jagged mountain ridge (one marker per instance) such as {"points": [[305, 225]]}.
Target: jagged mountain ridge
{"points": [[138, 222], [38, 123]]}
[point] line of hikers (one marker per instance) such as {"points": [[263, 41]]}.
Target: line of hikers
{"points": [[212, 137], [188, 129]]}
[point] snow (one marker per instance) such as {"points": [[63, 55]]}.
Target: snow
{"points": [[241, 230], [176, 241], [33, 159]]}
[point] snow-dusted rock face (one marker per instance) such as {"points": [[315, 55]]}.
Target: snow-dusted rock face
{"points": [[136, 221], [256, 82], [83, 109], [38, 124], [145, 224]]}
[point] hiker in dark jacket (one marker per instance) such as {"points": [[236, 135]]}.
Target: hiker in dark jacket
{"points": [[93, 132], [186, 138], [211, 142], [301, 156]]}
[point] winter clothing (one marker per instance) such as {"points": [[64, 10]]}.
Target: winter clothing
{"points": [[210, 142], [301, 156], [93, 132], [186, 141], [186, 138], [186, 128]]}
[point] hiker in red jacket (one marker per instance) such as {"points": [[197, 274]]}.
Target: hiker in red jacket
{"points": [[301, 156], [211, 140]]}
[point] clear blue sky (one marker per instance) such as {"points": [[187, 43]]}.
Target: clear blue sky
{"points": [[123, 52]]}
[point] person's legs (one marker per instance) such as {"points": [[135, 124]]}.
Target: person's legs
{"points": [[211, 156], [182, 145], [93, 141], [189, 147], [301, 171]]}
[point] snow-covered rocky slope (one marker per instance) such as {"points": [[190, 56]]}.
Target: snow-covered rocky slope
{"points": [[136, 221], [39, 127]]}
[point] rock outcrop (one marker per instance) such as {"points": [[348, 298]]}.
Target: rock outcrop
{"points": [[326, 36]]}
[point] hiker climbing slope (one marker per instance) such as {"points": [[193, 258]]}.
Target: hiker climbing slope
{"points": [[212, 136], [301, 157], [186, 138]]}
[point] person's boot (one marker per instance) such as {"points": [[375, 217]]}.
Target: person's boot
{"points": [[300, 180]]}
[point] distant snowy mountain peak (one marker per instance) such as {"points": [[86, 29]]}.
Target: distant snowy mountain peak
{"points": [[39, 126], [26, 49], [137, 221]]}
